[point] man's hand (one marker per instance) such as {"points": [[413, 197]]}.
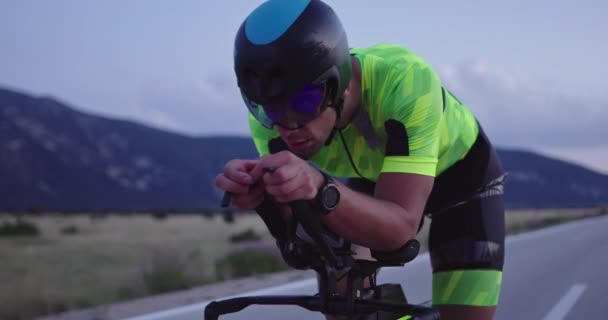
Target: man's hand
{"points": [[237, 179], [293, 179]]}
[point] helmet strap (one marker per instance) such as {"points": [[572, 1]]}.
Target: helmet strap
{"points": [[331, 136], [338, 106]]}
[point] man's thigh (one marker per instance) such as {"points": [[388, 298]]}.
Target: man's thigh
{"points": [[466, 245]]}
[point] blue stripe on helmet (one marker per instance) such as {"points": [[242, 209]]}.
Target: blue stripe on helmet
{"points": [[271, 19]]}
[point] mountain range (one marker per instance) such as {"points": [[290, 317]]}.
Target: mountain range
{"points": [[54, 157]]}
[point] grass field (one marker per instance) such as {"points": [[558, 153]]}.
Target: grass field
{"points": [[106, 259], [80, 261]]}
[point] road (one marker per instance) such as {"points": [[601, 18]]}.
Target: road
{"points": [[555, 273]]}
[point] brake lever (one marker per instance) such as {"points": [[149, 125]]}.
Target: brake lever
{"points": [[228, 195], [303, 213], [226, 199], [311, 223]]}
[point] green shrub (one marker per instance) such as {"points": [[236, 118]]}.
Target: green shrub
{"points": [[164, 270], [248, 262], [516, 228], [208, 214], [71, 229], [549, 221], [247, 235], [160, 215], [33, 306], [228, 216], [97, 217], [127, 293], [19, 227]]}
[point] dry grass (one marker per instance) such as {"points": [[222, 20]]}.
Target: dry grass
{"points": [[530, 219], [522, 220], [103, 260]]}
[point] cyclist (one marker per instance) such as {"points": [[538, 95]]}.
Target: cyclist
{"points": [[380, 119]]}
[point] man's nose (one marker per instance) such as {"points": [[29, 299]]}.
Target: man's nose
{"points": [[285, 131]]}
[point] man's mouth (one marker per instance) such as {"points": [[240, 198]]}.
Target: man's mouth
{"points": [[298, 144]]}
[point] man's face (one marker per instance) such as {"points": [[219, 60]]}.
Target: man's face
{"points": [[305, 142]]}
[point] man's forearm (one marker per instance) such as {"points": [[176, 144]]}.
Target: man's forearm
{"points": [[378, 224]]}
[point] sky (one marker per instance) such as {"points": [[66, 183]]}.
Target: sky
{"points": [[532, 71]]}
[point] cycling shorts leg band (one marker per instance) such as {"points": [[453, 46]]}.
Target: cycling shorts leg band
{"points": [[467, 253], [467, 287]]}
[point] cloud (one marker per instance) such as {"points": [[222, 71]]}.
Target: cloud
{"points": [[206, 107], [517, 112], [514, 111]]}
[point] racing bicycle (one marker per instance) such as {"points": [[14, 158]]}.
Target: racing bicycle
{"points": [[329, 255]]}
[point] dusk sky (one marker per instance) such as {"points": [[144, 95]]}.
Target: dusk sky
{"points": [[532, 71]]}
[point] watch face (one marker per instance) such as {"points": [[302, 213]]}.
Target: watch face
{"points": [[331, 196]]}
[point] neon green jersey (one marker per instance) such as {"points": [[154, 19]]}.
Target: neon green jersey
{"points": [[408, 122]]}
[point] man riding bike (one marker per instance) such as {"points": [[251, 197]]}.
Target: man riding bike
{"points": [[380, 117]]}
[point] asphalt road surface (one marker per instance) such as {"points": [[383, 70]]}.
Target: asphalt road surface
{"points": [[555, 273]]}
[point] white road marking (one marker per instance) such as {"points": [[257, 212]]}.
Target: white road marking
{"points": [[201, 306], [561, 309]]}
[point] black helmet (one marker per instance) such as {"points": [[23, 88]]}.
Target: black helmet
{"points": [[291, 59]]}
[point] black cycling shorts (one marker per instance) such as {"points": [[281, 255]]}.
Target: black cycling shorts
{"points": [[467, 232]]}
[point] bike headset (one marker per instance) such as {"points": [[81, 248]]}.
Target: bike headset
{"points": [[292, 61]]}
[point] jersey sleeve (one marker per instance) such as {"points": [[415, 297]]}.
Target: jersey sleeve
{"points": [[412, 112]]}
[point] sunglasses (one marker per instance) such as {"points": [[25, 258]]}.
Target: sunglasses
{"points": [[297, 110]]}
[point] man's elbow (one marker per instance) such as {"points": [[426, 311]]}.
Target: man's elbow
{"points": [[406, 230]]}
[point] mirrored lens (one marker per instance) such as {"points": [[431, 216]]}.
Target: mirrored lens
{"points": [[306, 101], [294, 112]]}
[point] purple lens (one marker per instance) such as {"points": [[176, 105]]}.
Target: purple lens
{"points": [[308, 100], [299, 109], [272, 115]]}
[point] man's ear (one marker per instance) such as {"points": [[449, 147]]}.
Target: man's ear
{"points": [[348, 89]]}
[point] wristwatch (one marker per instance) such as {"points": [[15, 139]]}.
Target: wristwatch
{"points": [[328, 195]]}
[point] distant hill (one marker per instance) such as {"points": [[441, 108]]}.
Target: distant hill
{"points": [[54, 157], [538, 181]]}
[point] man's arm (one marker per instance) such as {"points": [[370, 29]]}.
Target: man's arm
{"points": [[386, 221], [411, 117]]}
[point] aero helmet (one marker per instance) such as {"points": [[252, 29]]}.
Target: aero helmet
{"points": [[292, 60]]}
